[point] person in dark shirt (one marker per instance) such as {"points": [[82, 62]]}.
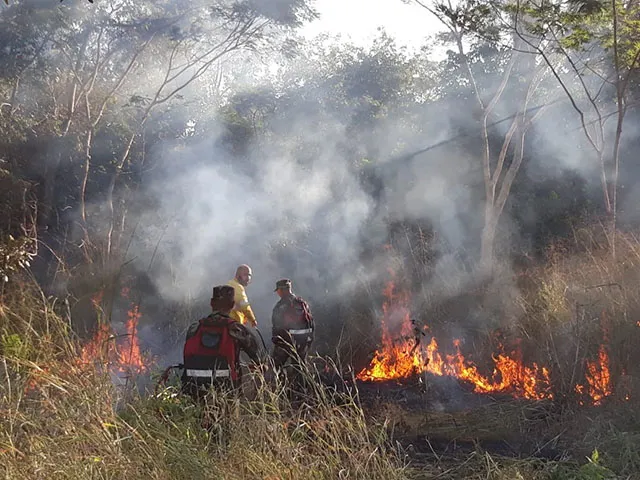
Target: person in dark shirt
{"points": [[292, 326], [209, 357], [222, 303]]}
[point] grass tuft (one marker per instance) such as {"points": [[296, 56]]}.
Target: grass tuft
{"points": [[60, 419]]}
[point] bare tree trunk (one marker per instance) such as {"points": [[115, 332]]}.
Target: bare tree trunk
{"points": [[85, 176], [110, 192], [93, 123], [598, 144], [621, 86], [604, 182], [614, 180], [487, 240]]}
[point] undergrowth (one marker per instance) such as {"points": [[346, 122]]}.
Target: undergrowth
{"points": [[61, 419]]}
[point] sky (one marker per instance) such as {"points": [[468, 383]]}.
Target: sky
{"points": [[359, 20]]}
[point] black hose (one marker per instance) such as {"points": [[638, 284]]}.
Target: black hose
{"points": [[262, 340]]}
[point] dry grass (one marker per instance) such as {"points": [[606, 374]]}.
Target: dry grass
{"points": [[521, 439], [580, 302], [61, 420]]}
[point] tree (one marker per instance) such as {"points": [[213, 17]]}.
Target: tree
{"points": [[105, 72], [471, 21], [598, 42]]}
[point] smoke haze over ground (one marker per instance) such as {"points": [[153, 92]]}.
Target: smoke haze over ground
{"points": [[308, 215], [149, 148], [311, 192]]}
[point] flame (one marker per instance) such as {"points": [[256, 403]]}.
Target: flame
{"points": [[404, 357], [396, 360], [98, 347], [509, 375], [597, 372], [129, 355], [401, 355], [598, 377], [121, 352]]}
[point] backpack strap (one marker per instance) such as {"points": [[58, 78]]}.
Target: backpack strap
{"points": [[217, 319], [305, 310]]}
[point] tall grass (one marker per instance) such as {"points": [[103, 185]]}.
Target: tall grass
{"points": [[582, 300], [59, 420]]}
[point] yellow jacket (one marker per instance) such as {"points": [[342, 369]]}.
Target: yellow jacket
{"points": [[242, 311]]}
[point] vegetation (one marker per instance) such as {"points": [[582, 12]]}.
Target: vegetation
{"points": [[66, 419], [147, 148]]}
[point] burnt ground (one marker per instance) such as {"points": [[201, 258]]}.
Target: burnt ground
{"points": [[437, 417], [444, 427], [422, 393], [439, 422]]}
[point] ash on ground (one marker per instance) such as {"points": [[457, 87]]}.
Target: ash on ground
{"points": [[424, 392]]}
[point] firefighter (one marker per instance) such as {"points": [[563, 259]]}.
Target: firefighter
{"points": [[213, 345], [242, 311], [292, 326]]}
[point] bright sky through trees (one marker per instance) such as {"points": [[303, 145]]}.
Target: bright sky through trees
{"points": [[409, 24]]}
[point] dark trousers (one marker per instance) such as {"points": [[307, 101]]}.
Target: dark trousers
{"points": [[293, 347]]}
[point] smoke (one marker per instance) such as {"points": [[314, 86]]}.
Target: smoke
{"points": [[297, 207], [291, 201], [282, 217]]}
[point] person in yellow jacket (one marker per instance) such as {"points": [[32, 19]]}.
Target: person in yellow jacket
{"points": [[242, 311]]}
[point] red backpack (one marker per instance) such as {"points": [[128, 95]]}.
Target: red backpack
{"points": [[210, 353]]}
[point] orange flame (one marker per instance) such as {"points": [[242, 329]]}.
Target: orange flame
{"points": [[403, 358], [598, 377], [121, 352], [509, 375], [129, 355], [98, 347]]}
